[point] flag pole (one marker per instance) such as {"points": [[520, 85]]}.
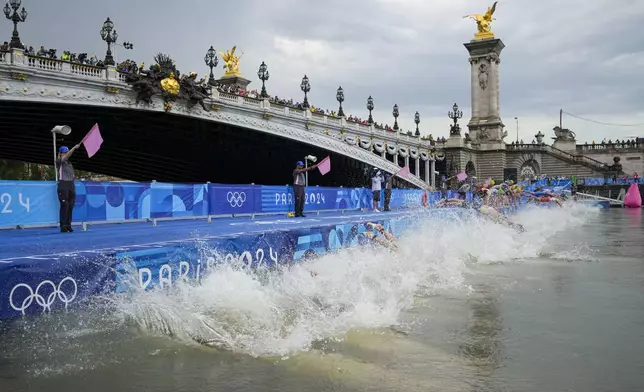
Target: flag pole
{"points": [[53, 135]]}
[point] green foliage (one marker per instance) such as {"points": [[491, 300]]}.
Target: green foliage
{"points": [[15, 170]]}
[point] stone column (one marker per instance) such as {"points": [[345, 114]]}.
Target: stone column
{"points": [[418, 167], [433, 176], [427, 177], [485, 126]]}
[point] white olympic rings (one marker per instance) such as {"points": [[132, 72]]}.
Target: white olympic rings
{"points": [[45, 303], [236, 199]]}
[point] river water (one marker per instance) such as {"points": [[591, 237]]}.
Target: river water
{"points": [[462, 306]]}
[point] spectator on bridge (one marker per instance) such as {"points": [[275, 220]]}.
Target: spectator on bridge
{"points": [[376, 187], [389, 179], [298, 187], [66, 187]]}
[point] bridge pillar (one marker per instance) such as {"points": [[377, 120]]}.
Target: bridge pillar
{"points": [[485, 126], [432, 170], [417, 167], [112, 73]]}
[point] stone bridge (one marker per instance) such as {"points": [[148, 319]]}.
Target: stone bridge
{"points": [[239, 139]]}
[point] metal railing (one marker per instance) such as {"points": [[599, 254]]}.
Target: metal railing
{"points": [[594, 163]]}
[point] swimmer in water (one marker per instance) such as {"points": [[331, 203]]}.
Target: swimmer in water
{"points": [[495, 216], [389, 240], [445, 203]]}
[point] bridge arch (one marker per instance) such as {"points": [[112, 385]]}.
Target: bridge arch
{"points": [[470, 169], [529, 170], [94, 102]]}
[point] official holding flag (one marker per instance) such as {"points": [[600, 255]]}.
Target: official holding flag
{"points": [[299, 182], [66, 175], [66, 187]]}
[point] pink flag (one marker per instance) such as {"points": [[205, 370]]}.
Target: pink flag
{"points": [[93, 141], [461, 176], [404, 172], [325, 165]]}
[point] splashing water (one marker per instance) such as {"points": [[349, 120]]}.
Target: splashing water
{"points": [[280, 312]]}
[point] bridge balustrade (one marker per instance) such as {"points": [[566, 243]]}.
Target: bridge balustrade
{"points": [[109, 74], [555, 151], [35, 203], [607, 147]]}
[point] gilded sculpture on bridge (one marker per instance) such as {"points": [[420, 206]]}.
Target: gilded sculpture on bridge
{"points": [[161, 79], [484, 22], [231, 62]]}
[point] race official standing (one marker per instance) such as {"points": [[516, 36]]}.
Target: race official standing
{"points": [[66, 187], [389, 179], [299, 182]]}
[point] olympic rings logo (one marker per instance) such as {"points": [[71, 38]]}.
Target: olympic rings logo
{"points": [[236, 199], [45, 300]]}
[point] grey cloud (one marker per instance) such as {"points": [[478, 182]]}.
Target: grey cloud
{"points": [[409, 52]]}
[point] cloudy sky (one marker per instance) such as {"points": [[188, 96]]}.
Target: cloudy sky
{"points": [[583, 56]]}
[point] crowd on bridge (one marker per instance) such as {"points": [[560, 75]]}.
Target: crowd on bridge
{"points": [[129, 65]]}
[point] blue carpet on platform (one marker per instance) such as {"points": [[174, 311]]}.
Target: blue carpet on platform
{"points": [[46, 242]]}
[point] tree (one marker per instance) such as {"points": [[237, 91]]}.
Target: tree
{"points": [[12, 170]]}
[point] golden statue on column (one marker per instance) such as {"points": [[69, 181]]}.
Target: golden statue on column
{"points": [[231, 62], [484, 22]]}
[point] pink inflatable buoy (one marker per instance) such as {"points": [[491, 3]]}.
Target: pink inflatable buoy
{"points": [[633, 199]]}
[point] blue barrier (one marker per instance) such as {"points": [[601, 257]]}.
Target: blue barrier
{"points": [[35, 203], [32, 285], [610, 181]]}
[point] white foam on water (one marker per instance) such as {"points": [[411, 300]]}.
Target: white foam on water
{"points": [[284, 311]]}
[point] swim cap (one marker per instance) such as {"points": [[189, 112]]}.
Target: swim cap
{"points": [[63, 149], [300, 163]]}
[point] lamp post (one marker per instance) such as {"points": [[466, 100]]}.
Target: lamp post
{"points": [[339, 96], [517, 118], [61, 130], [455, 115], [305, 86], [15, 17], [417, 121], [211, 61], [396, 114], [370, 108], [263, 75], [109, 35], [308, 158]]}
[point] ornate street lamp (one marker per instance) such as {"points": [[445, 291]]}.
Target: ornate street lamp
{"points": [[395, 113], [305, 86], [417, 121], [339, 95], [370, 108], [263, 75], [109, 35], [455, 114], [211, 61], [15, 17]]}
